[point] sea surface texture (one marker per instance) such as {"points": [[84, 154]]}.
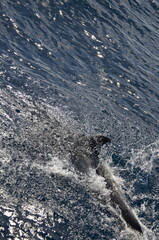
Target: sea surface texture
{"points": [[71, 68]]}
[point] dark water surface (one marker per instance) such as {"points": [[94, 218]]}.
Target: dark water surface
{"points": [[68, 68]]}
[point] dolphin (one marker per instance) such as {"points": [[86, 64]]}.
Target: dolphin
{"points": [[85, 156]]}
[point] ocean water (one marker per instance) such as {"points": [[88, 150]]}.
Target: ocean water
{"points": [[73, 67]]}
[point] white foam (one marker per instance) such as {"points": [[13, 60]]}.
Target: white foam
{"points": [[57, 166], [145, 157]]}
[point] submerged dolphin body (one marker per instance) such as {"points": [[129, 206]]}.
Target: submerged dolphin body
{"points": [[85, 156]]}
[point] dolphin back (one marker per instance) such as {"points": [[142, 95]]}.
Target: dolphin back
{"points": [[118, 200]]}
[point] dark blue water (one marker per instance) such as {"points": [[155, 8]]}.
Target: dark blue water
{"points": [[89, 66]]}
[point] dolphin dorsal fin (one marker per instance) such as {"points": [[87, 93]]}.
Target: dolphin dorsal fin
{"points": [[97, 141], [86, 150], [92, 143]]}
